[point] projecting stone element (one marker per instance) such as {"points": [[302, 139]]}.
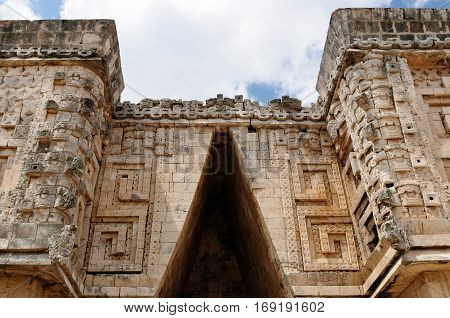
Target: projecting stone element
{"points": [[395, 234], [87, 106], [227, 197], [61, 244]]}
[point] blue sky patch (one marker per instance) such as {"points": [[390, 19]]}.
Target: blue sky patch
{"points": [[441, 4], [47, 9], [263, 92]]}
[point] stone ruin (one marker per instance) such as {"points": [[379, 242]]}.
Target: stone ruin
{"points": [[227, 198]]}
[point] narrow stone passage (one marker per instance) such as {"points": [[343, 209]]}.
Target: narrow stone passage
{"points": [[214, 271], [224, 252]]}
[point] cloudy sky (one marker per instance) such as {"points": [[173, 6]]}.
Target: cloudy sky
{"points": [[195, 49]]}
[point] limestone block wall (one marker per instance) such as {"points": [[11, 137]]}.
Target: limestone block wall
{"points": [[215, 274], [22, 287], [295, 177], [149, 177], [429, 285]]}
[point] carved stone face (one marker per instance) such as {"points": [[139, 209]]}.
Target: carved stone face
{"points": [[60, 130], [399, 159], [410, 195], [390, 128], [53, 160], [44, 197], [312, 142], [128, 140], [65, 199]]}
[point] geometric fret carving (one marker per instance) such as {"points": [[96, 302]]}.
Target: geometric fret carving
{"points": [[125, 183], [133, 185], [118, 233], [333, 247], [111, 250], [319, 180], [312, 183], [326, 231]]}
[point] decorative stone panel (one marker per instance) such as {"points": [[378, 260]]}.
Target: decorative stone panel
{"points": [[326, 244], [118, 241]]}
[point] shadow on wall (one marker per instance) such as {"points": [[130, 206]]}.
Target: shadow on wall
{"points": [[222, 250]]}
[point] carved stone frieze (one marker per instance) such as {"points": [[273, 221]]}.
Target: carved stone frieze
{"points": [[225, 108]]}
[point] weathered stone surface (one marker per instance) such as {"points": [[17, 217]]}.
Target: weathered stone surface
{"points": [[223, 198], [61, 244], [380, 28]]}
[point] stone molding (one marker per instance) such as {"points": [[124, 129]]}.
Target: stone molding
{"points": [[283, 109], [43, 52]]}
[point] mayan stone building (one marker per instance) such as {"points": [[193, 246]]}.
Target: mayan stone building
{"points": [[227, 198]]}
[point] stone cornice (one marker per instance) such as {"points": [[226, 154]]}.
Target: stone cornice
{"points": [[218, 108], [394, 47], [381, 28], [395, 43], [51, 52]]}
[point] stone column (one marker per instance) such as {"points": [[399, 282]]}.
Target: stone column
{"points": [[55, 112], [397, 172]]}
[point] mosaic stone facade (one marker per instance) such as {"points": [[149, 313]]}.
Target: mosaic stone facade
{"points": [[227, 198]]}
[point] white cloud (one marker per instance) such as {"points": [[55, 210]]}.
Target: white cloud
{"points": [[17, 10], [419, 3], [196, 49]]}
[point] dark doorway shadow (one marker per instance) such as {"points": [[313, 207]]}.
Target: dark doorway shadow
{"points": [[223, 250]]}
